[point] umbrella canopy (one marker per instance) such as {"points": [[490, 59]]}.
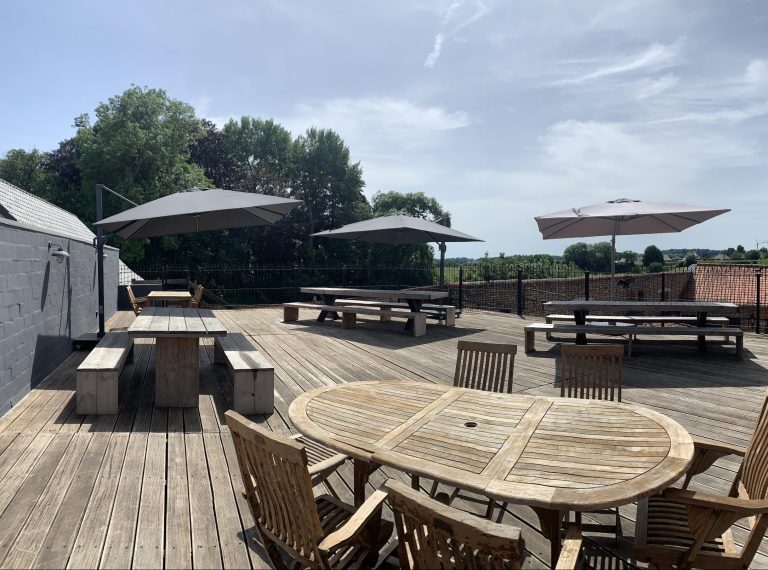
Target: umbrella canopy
{"points": [[398, 230], [623, 217], [198, 210]]}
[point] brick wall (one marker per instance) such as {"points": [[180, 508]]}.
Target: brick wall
{"points": [[501, 295], [44, 304]]}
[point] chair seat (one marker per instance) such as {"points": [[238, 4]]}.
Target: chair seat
{"points": [[333, 514], [667, 530]]}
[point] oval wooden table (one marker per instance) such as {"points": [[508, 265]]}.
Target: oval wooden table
{"points": [[553, 454]]}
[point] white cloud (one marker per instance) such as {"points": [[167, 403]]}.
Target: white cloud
{"points": [[459, 15], [723, 116], [654, 58], [757, 72], [651, 86], [435, 53]]}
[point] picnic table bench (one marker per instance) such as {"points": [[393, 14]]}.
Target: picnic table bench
{"points": [[349, 315], [632, 331], [253, 376], [638, 319], [446, 313], [97, 376]]}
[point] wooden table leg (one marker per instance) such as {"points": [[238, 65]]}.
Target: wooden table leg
{"points": [[177, 372], [580, 318], [414, 305], [701, 321], [362, 470], [550, 522], [328, 300]]}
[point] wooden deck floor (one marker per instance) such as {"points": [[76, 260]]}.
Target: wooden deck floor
{"points": [[153, 488]]}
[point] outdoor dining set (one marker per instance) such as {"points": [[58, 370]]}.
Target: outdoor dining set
{"points": [[564, 457]]}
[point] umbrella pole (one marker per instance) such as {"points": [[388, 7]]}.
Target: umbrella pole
{"points": [[100, 258], [441, 245], [613, 260]]}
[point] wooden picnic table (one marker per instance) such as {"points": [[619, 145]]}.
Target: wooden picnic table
{"points": [[552, 454], [177, 332], [182, 297], [701, 308], [414, 298]]}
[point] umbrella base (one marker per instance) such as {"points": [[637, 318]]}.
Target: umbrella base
{"points": [[87, 341]]}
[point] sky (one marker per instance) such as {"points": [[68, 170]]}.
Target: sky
{"points": [[502, 110]]}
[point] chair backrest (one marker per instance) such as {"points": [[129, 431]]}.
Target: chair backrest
{"points": [[752, 482], [485, 366], [434, 535], [132, 299], [278, 489], [591, 372], [197, 296]]}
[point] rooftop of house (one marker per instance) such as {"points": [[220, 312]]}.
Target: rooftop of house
{"points": [[730, 283], [24, 207]]}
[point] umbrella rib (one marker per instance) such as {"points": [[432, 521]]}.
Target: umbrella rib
{"points": [[565, 225], [141, 227], [255, 216], [666, 223]]}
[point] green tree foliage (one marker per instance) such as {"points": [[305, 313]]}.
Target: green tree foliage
{"points": [[596, 257], [652, 254], [144, 145], [416, 204]]}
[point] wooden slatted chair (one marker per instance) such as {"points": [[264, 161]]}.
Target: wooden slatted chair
{"points": [[591, 371], [690, 529], [484, 366], [433, 535], [137, 303], [197, 297], [320, 532]]}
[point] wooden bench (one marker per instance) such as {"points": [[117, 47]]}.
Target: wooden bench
{"points": [[632, 331], [639, 319], [349, 315], [97, 376], [446, 313], [253, 376]]}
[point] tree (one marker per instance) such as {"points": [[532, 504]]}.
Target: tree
{"points": [[752, 255], [23, 169], [331, 188], [416, 204], [652, 254], [578, 254], [139, 145]]}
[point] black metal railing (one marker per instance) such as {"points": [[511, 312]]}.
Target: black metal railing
{"points": [[484, 285]]}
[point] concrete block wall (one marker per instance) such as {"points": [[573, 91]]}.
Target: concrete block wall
{"points": [[44, 304]]}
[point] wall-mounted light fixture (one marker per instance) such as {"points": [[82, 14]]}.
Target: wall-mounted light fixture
{"points": [[58, 252]]}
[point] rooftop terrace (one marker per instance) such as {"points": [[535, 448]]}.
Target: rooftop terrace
{"points": [[153, 488]]}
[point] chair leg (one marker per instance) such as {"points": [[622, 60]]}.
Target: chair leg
{"points": [[433, 490]]}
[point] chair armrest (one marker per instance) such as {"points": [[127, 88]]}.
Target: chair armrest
{"points": [[706, 452], [702, 443], [319, 471], [744, 507], [369, 511]]}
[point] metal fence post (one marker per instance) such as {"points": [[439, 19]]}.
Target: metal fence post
{"points": [[759, 275], [343, 275], [663, 286], [586, 285], [461, 289], [519, 292]]}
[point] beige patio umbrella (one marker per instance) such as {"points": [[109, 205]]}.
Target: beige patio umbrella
{"points": [[623, 216]]}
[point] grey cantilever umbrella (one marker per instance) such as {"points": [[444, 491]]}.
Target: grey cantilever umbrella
{"points": [[623, 217], [189, 211], [400, 229], [198, 210]]}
